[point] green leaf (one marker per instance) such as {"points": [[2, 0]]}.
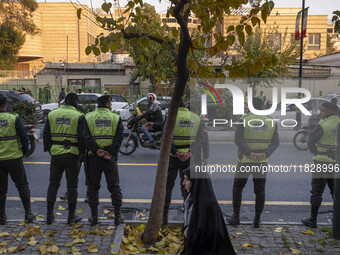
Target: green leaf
{"points": [[254, 21], [163, 76], [213, 51], [264, 15], [248, 29], [114, 46], [241, 37], [121, 19], [334, 18], [239, 28], [230, 28], [106, 7], [79, 13], [224, 45], [88, 50], [231, 39], [174, 32], [96, 51]]}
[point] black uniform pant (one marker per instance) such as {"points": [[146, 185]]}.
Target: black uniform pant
{"points": [[240, 181], [15, 168], [175, 166], [60, 163], [319, 181], [96, 166]]}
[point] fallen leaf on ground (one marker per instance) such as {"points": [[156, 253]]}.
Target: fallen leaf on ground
{"points": [[266, 211], [112, 215], [106, 211], [78, 240], [3, 243], [92, 248], [61, 208], [17, 248], [3, 250], [68, 245], [39, 217], [22, 223], [4, 234], [299, 243], [308, 232], [248, 245], [281, 220], [114, 245], [295, 251], [79, 210], [58, 213], [102, 218], [51, 233], [63, 252], [278, 230], [32, 241], [111, 227], [52, 249]]}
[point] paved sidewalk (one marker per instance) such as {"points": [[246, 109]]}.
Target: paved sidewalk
{"points": [[269, 239]]}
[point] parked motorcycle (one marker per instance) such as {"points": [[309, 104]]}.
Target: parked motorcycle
{"points": [[301, 137], [133, 136], [31, 140]]}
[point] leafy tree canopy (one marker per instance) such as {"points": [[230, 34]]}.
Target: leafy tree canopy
{"points": [[336, 20]]}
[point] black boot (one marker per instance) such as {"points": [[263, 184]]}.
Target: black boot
{"points": [[3, 216], [257, 219], [50, 214], [94, 216], [119, 219], [72, 218], [312, 220], [29, 216], [234, 219]]}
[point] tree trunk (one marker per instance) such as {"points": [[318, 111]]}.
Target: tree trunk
{"points": [[157, 206]]}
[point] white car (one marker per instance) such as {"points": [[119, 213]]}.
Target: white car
{"points": [[86, 98], [127, 111], [313, 106]]}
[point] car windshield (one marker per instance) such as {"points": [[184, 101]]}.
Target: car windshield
{"points": [[27, 98]]}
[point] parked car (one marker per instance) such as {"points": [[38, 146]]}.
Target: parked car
{"points": [[313, 106], [86, 98], [16, 96], [127, 111]]}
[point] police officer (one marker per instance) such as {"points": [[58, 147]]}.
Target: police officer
{"points": [[63, 140], [13, 145], [103, 135], [188, 134], [256, 141], [322, 142]]}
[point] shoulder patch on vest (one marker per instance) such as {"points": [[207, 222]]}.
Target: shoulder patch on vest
{"points": [[3, 123], [186, 123], [63, 121], [102, 123]]}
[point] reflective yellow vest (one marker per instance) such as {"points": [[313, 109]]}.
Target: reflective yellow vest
{"points": [[102, 124], [327, 143], [10, 147], [257, 137], [186, 128], [64, 126]]}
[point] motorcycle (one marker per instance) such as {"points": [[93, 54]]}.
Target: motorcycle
{"points": [[31, 140], [133, 136], [301, 137]]}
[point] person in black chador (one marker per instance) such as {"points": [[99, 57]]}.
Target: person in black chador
{"points": [[204, 228]]}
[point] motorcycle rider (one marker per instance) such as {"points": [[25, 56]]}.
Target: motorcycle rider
{"points": [[154, 116]]}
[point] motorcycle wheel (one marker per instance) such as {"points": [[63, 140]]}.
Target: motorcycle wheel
{"points": [[129, 145], [300, 140], [31, 145]]}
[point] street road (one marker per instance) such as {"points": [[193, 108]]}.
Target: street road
{"points": [[287, 198]]}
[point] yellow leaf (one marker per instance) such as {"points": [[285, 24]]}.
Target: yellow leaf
{"points": [[58, 213], [124, 240], [68, 245], [93, 232], [39, 217], [51, 233], [92, 248], [114, 245], [112, 215], [63, 252], [282, 220], [4, 234], [61, 208], [161, 244], [52, 249], [3, 243], [153, 249], [173, 248], [238, 233], [3, 250], [309, 232], [78, 240], [16, 249], [114, 252], [79, 210], [295, 251], [278, 230], [106, 211], [144, 218], [248, 245], [102, 218], [22, 223], [299, 243], [32, 242], [111, 227]]}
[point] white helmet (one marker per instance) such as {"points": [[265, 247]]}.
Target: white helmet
{"points": [[151, 97]]}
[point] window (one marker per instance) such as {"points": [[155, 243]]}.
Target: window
{"points": [[330, 30], [75, 82], [314, 41], [293, 41], [92, 83], [275, 41]]}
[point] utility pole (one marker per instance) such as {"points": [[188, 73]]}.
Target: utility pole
{"points": [[298, 112]]}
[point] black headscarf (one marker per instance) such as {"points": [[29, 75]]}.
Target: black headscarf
{"points": [[207, 232]]}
